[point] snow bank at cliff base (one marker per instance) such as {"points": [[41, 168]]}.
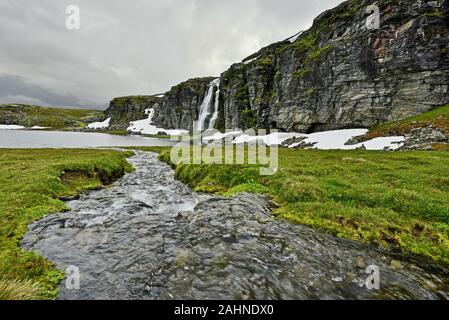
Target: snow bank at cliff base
{"points": [[100, 125], [146, 126], [326, 140]]}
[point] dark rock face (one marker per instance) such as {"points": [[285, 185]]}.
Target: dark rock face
{"points": [[338, 74], [180, 106], [236, 111], [176, 109], [123, 110]]}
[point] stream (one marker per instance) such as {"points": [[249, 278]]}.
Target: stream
{"points": [[149, 236]]}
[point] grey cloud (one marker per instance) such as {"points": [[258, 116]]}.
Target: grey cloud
{"points": [[14, 89], [137, 47]]}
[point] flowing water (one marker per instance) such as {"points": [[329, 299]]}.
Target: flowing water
{"points": [[149, 236], [206, 118]]}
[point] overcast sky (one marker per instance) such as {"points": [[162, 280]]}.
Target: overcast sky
{"points": [[133, 47]]}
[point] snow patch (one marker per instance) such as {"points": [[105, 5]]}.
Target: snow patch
{"points": [[39, 128], [251, 60], [146, 126], [271, 139], [393, 143], [10, 127], [327, 140], [336, 139], [100, 125], [295, 37], [220, 136]]}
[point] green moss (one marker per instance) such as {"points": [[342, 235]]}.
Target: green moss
{"points": [[311, 91], [115, 132], [247, 187], [301, 72], [439, 118], [158, 136], [318, 53], [393, 200], [195, 84], [248, 118], [242, 95], [31, 181], [437, 13], [122, 101], [350, 11], [310, 60], [306, 43], [264, 62]]}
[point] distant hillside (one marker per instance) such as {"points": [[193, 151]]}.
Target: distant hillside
{"points": [[123, 110], [55, 118]]}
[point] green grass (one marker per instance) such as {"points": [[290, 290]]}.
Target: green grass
{"points": [[115, 132], [398, 201], [31, 183], [125, 133], [158, 136], [438, 117], [55, 118]]}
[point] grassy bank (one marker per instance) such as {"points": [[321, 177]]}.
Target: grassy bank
{"points": [[54, 118], [439, 118], [126, 133], [31, 182], [398, 201]]}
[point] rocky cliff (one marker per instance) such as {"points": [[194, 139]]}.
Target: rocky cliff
{"points": [[180, 106], [338, 74], [123, 110], [176, 109]]}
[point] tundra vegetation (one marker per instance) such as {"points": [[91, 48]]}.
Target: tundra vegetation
{"points": [[32, 182], [52, 118], [438, 118]]}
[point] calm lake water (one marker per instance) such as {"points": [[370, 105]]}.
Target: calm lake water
{"points": [[58, 139]]}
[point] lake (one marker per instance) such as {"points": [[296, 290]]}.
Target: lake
{"points": [[59, 139]]}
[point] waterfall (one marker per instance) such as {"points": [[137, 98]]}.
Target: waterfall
{"points": [[208, 117], [215, 114]]}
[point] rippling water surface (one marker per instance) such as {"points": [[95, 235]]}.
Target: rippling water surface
{"points": [[60, 139]]}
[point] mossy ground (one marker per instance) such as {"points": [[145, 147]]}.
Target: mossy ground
{"points": [[31, 181], [114, 132], [54, 118], [439, 118], [399, 201]]}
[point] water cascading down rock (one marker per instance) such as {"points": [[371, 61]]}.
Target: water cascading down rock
{"points": [[339, 74], [209, 108]]}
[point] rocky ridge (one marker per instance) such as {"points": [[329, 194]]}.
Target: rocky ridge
{"points": [[123, 110], [339, 74]]}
